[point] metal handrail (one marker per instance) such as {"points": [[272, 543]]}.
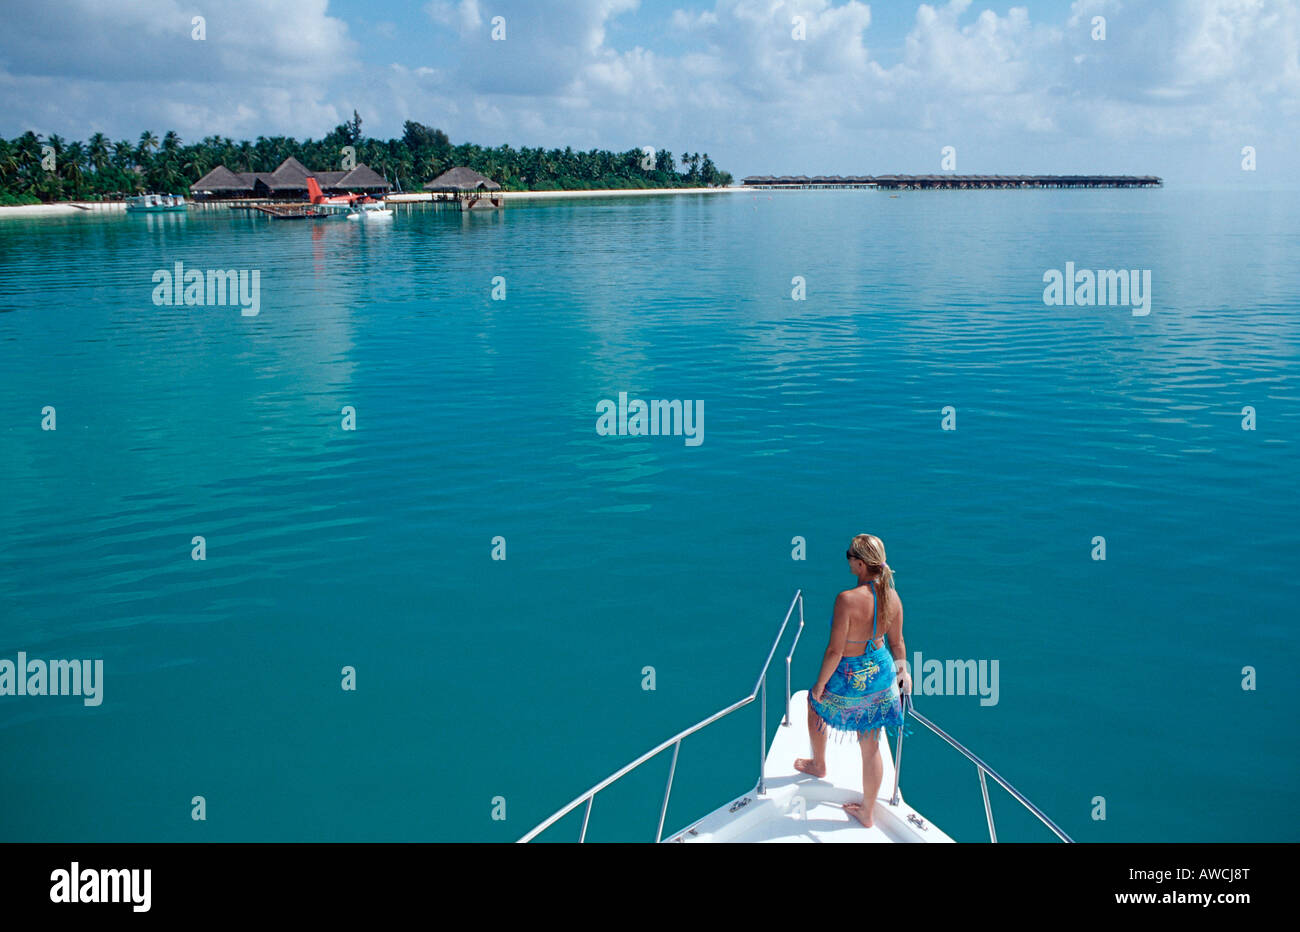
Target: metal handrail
{"points": [[676, 740], [760, 688], [789, 657], [981, 767]]}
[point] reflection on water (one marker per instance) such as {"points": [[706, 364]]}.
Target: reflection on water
{"points": [[475, 418]]}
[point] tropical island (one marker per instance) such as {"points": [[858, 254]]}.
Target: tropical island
{"points": [[36, 170]]}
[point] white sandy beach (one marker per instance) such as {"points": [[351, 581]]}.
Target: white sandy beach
{"points": [[74, 208], [66, 209]]}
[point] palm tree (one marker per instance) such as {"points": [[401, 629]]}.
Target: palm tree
{"points": [[123, 155], [97, 152], [198, 162], [101, 166], [281, 149], [148, 142], [71, 168], [125, 167]]}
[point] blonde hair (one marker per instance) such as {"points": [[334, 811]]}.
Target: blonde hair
{"points": [[871, 550]]}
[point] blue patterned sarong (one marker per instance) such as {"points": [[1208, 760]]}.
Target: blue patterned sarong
{"points": [[861, 694]]}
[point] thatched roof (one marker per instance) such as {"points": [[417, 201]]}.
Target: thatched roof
{"points": [[290, 174], [462, 179], [363, 176], [220, 179], [290, 177]]}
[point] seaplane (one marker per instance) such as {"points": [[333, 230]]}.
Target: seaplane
{"points": [[352, 206]]}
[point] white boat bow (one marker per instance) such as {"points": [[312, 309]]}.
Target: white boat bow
{"points": [[797, 807], [789, 806]]}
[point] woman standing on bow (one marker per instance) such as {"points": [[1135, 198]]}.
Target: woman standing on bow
{"points": [[857, 690]]}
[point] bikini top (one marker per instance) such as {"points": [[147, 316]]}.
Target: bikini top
{"points": [[875, 602]]}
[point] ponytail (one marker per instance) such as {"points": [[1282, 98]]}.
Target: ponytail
{"points": [[886, 583], [871, 550]]}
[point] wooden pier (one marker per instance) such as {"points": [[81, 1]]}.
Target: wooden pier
{"points": [[293, 210], [951, 182]]}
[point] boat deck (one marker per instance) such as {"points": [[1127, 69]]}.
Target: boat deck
{"points": [[788, 806], [799, 808]]}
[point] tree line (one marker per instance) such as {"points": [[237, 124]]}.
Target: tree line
{"points": [[35, 169]]}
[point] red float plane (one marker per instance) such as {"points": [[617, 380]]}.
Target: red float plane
{"points": [[353, 205]]}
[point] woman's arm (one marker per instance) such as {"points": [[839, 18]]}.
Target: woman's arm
{"points": [[835, 647], [898, 648]]}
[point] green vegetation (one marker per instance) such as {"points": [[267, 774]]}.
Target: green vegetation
{"points": [[101, 168]]}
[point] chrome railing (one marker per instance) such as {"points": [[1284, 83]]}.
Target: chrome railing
{"points": [[981, 768], [760, 691], [675, 742]]}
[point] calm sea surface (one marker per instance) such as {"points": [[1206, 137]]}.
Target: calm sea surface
{"points": [[476, 418]]}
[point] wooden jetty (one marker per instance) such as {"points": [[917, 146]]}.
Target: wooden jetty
{"points": [[951, 182], [294, 210]]}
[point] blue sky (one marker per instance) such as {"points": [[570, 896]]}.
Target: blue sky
{"points": [[1175, 88]]}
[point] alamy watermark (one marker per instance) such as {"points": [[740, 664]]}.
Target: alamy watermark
{"points": [[25, 677], [1114, 287], [953, 678], [104, 885], [179, 287], [657, 418]]}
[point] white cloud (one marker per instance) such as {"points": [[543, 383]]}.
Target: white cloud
{"points": [[733, 81], [263, 69]]}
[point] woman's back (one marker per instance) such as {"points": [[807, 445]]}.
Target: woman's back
{"points": [[865, 617]]}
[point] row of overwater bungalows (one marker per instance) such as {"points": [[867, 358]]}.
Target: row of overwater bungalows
{"points": [[921, 182]]}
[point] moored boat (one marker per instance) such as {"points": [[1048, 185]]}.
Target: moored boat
{"points": [[155, 204]]}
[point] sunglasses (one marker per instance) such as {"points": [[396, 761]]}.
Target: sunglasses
{"points": [[853, 556]]}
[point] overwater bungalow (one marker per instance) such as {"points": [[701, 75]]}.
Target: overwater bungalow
{"points": [[472, 189], [287, 183]]}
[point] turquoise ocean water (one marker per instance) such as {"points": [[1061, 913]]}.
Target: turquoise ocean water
{"points": [[475, 418]]}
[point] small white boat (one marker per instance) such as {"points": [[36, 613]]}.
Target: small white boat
{"points": [[155, 203], [789, 806]]}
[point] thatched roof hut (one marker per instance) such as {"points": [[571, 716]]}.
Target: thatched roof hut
{"points": [[289, 176], [221, 182], [361, 178], [288, 180], [462, 180]]}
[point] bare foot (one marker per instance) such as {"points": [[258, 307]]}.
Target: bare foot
{"points": [[858, 812], [804, 765]]}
